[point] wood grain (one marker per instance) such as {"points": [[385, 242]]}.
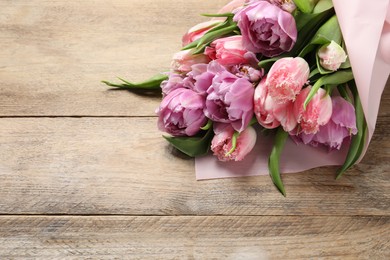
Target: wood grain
{"points": [[84, 173], [123, 166], [195, 237], [54, 54]]}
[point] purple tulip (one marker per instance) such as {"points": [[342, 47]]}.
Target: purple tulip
{"points": [[229, 99], [181, 113], [173, 82], [266, 28], [341, 125]]}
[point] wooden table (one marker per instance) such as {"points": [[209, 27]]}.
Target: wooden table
{"points": [[84, 173]]}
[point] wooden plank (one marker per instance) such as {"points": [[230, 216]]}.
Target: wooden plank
{"points": [[53, 55], [189, 237], [123, 166]]}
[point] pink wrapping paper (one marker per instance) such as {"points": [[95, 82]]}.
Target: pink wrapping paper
{"points": [[366, 30]]}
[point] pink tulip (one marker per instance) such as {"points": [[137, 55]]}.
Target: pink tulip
{"points": [[271, 114], [248, 72], [198, 31], [266, 28], [222, 142], [317, 112], [286, 78], [230, 7], [341, 126], [181, 113], [286, 5], [183, 60], [230, 51], [229, 98], [332, 56]]}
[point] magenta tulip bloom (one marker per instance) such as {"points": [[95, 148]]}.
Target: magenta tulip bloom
{"points": [[181, 113], [222, 142], [341, 125], [317, 112], [286, 78], [173, 82], [266, 28], [271, 114], [230, 100], [230, 51]]}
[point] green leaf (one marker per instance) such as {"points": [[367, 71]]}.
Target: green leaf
{"points": [[234, 143], [267, 64], [337, 78], [329, 31], [322, 6], [306, 6], [307, 25], [192, 146], [151, 84], [274, 159], [358, 141], [219, 15], [210, 36]]}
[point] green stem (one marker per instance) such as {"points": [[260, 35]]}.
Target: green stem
{"points": [[274, 159], [234, 143], [151, 84]]}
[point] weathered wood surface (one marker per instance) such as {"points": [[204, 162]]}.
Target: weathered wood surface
{"points": [[111, 160], [195, 237], [123, 166]]}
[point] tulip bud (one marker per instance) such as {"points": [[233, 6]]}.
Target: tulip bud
{"points": [[332, 56]]}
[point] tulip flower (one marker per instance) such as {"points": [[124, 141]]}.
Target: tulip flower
{"points": [[197, 31], [317, 112], [183, 60], [181, 113], [266, 28], [230, 51], [223, 142], [332, 56], [271, 114], [286, 78], [229, 99]]}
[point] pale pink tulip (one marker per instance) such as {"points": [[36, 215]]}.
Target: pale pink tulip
{"points": [[183, 60], [286, 78], [317, 112], [198, 31], [271, 114], [222, 142], [230, 7], [332, 56], [230, 51]]}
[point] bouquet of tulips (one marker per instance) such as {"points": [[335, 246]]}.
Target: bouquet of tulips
{"points": [[279, 67]]}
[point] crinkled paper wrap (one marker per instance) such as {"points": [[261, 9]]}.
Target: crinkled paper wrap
{"points": [[366, 29]]}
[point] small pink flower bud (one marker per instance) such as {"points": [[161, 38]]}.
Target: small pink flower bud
{"points": [[332, 56]]}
